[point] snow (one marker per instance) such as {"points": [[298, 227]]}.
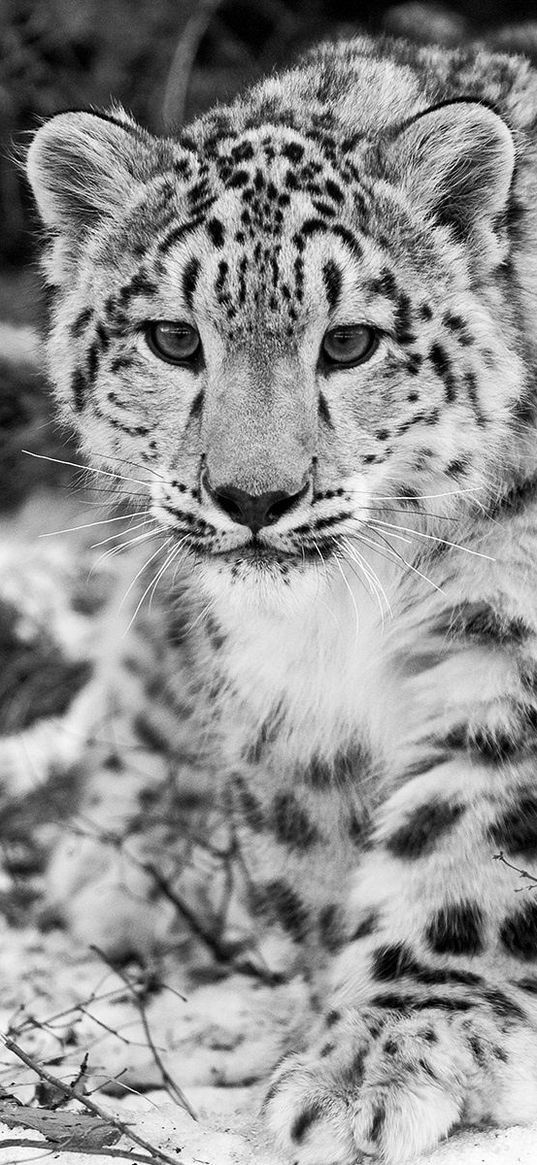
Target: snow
{"points": [[217, 1041]]}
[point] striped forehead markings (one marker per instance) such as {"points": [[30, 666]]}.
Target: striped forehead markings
{"points": [[190, 278], [332, 282], [241, 165]]}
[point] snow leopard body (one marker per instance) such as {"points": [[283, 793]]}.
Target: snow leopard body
{"points": [[353, 612]]}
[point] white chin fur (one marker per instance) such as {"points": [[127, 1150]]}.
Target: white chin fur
{"points": [[262, 588]]}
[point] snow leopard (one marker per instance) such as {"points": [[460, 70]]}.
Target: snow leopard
{"points": [[307, 320]]}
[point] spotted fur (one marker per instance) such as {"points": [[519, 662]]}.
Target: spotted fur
{"points": [[370, 658]]}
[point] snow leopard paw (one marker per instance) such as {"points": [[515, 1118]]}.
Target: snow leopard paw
{"points": [[387, 1085]]}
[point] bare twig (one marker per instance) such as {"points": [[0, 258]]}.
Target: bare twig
{"points": [[173, 1089], [221, 951], [113, 1031], [53, 1098], [125, 1129], [230, 954], [176, 92], [122, 1154], [81, 1072], [31, 1021], [523, 873]]}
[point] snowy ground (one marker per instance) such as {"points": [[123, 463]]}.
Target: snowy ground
{"points": [[216, 1042]]}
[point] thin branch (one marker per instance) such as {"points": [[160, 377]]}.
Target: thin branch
{"points": [[220, 950], [113, 1031], [177, 85], [31, 1021], [74, 1094], [79, 1078], [523, 873], [122, 1154], [173, 1089], [227, 954]]}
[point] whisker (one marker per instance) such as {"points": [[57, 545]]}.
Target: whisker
{"points": [[361, 537], [419, 513], [137, 576], [356, 561], [205, 610], [371, 573], [450, 493], [174, 553], [128, 461], [123, 546], [131, 530], [318, 551], [431, 513], [433, 538], [85, 468], [100, 522], [360, 574], [410, 565], [114, 490], [323, 563], [174, 575], [401, 537], [377, 587], [154, 581], [349, 588]]}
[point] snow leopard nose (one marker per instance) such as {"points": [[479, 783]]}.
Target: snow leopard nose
{"points": [[253, 510]]}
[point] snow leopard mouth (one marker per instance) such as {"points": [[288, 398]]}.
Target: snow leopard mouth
{"points": [[296, 548], [255, 552], [259, 555]]}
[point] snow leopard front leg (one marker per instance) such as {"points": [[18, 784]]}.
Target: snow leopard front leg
{"points": [[431, 1016]]}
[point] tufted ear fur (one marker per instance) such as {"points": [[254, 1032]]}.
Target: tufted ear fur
{"points": [[457, 162], [84, 166]]}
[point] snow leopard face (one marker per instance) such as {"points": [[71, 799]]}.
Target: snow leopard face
{"points": [[285, 318]]}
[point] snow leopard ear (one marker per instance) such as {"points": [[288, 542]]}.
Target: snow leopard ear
{"points": [[457, 162], [84, 166]]}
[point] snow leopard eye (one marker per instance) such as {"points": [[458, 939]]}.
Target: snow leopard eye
{"points": [[348, 345], [173, 341]]}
